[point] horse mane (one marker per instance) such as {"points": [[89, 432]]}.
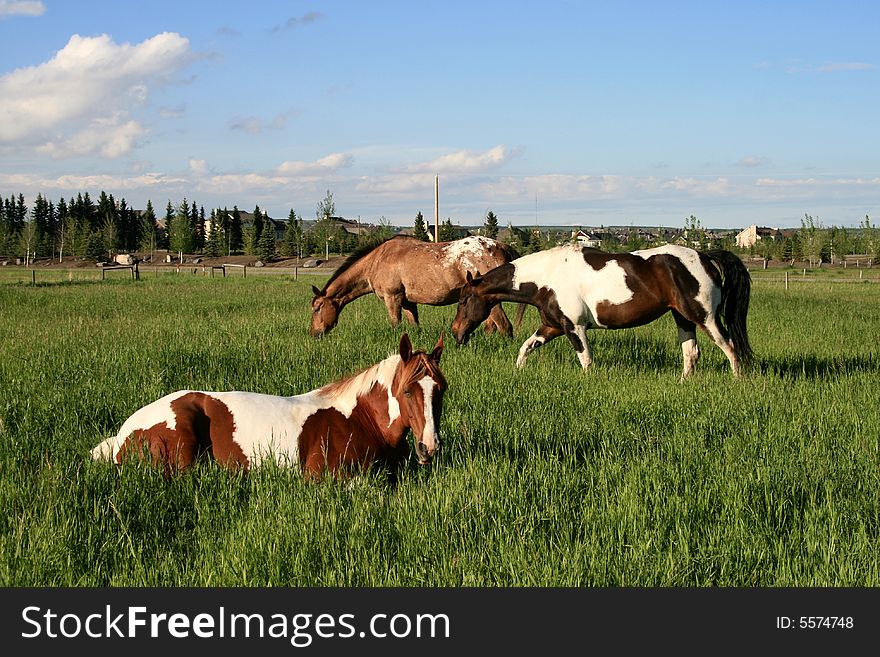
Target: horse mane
{"points": [[359, 384], [356, 255], [362, 382]]}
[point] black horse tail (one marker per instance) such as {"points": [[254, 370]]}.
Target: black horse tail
{"points": [[736, 287]]}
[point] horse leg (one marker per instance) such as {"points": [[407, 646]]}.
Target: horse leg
{"points": [[710, 326], [687, 338], [578, 338], [393, 303], [497, 322], [542, 336], [411, 312]]}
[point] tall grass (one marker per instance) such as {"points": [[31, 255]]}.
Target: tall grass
{"points": [[548, 475]]}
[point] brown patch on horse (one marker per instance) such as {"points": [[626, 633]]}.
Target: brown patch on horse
{"points": [[203, 424], [329, 441], [646, 279]]}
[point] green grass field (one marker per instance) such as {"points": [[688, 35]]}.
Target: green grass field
{"points": [[548, 476]]}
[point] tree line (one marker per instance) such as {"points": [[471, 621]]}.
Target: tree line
{"points": [[82, 228]]}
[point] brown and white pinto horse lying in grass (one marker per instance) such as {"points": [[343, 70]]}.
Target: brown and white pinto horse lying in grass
{"points": [[346, 425], [576, 288]]}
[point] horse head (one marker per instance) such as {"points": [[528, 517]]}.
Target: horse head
{"points": [[473, 309], [418, 387], [325, 313]]}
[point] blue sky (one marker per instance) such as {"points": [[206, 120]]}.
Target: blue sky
{"points": [[572, 113]]}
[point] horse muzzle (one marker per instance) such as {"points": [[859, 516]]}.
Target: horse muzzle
{"points": [[424, 453], [461, 336]]}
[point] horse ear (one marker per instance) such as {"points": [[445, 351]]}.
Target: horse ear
{"points": [[438, 349], [405, 347], [316, 291], [470, 279]]}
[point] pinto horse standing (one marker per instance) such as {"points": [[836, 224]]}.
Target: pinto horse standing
{"points": [[577, 288], [344, 425], [404, 272]]}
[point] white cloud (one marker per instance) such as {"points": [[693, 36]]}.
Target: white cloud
{"points": [[198, 167], [844, 66], [753, 161], [71, 183], [465, 161], [831, 67], [91, 82], [253, 125], [249, 124], [110, 137], [21, 8], [325, 165]]}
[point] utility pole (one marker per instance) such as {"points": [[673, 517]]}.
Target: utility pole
{"points": [[436, 209]]}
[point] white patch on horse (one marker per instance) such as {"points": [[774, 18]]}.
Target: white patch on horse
{"points": [[579, 288], [429, 434], [467, 254]]}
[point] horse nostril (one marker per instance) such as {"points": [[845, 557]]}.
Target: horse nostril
{"points": [[422, 451]]}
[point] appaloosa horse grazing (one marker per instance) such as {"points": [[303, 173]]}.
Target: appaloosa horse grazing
{"points": [[404, 272], [345, 425], [577, 288]]}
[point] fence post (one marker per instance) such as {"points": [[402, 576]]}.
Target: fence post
{"points": [[786, 280], [245, 271], [295, 272], [33, 276]]}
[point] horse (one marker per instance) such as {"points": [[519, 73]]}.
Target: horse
{"points": [[577, 288], [345, 425], [403, 272]]}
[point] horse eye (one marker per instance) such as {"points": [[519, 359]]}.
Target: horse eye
{"points": [[407, 393]]}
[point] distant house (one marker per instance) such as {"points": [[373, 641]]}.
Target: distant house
{"points": [[749, 236], [584, 238]]}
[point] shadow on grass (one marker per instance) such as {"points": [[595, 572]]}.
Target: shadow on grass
{"points": [[816, 367]]}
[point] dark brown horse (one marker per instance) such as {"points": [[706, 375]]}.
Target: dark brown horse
{"points": [[576, 288], [405, 272], [346, 425]]}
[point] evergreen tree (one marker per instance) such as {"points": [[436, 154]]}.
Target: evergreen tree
{"points": [[291, 246], [148, 229], [249, 239], [223, 218], [490, 227], [165, 235], [266, 241], [200, 234], [40, 218], [180, 236], [194, 227], [258, 224], [107, 223], [447, 231], [214, 244], [420, 231], [236, 238]]}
